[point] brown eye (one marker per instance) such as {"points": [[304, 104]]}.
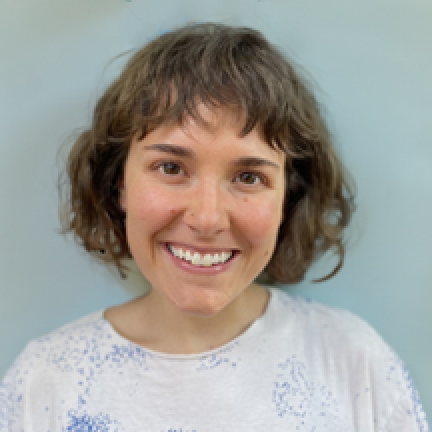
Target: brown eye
{"points": [[170, 168], [249, 178]]}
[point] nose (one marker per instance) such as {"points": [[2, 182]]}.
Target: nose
{"points": [[207, 211]]}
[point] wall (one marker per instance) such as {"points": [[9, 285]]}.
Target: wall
{"points": [[372, 64]]}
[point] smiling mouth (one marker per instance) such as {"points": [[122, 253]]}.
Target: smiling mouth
{"points": [[201, 259]]}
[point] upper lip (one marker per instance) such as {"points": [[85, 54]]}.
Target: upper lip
{"points": [[199, 249]]}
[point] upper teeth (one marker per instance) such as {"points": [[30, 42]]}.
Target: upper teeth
{"points": [[196, 258]]}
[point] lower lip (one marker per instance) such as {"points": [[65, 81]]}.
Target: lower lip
{"points": [[211, 270]]}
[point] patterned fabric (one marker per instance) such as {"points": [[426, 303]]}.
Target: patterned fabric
{"points": [[300, 367]]}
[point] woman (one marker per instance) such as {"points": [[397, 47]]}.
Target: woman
{"points": [[209, 164]]}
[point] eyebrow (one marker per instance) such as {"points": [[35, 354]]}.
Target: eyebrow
{"points": [[172, 149], [255, 162], [176, 150]]}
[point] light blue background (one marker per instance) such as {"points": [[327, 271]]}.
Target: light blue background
{"points": [[372, 65]]}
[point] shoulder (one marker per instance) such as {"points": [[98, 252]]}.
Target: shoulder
{"points": [[335, 333], [57, 345], [38, 365], [347, 349], [87, 343], [70, 337], [321, 321], [57, 348]]}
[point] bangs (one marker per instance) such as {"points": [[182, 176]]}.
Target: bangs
{"points": [[238, 73]]}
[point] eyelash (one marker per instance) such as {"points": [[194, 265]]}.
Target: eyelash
{"points": [[261, 178]]}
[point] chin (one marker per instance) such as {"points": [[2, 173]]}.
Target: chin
{"points": [[203, 304]]}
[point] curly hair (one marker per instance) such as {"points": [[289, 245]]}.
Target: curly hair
{"points": [[219, 66]]}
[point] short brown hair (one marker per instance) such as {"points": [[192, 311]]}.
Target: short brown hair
{"points": [[220, 66]]}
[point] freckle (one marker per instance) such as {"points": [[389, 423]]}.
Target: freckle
{"points": [[266, 253], [245, 199]]}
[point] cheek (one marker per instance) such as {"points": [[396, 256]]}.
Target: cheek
{"points": [[260, 221], [149, 208]]}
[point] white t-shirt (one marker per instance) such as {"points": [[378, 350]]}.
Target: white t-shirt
{"points": [[300, 367]]}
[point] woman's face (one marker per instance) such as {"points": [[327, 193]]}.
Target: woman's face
{"points": [[203, 209]]}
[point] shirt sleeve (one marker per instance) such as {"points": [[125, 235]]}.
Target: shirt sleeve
{"points": [[405, 411], [407, 417], [384, 396]]}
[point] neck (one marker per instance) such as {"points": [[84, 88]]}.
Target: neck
{"points": [[155, 323]]}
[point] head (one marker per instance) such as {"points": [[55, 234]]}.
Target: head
{"points": [[223, 69]]}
